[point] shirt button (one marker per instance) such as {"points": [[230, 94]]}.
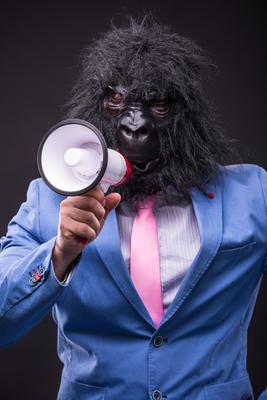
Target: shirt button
{"points": [[156, 395], [158, 340]]}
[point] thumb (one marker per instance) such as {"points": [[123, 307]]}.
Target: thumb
{"points": [[111, 201]]}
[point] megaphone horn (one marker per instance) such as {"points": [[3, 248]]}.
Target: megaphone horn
{"points": [[73, 158]]}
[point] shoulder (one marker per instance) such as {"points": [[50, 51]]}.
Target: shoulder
{"points": [[43, 194], [242, 175], [244, 184]]}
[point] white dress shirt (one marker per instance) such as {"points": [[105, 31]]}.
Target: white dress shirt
{"points": [[178, 239]]}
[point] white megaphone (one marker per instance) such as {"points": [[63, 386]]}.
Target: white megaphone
{"points": [[73, 158]]}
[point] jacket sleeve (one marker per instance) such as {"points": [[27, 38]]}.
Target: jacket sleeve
{"points": [[263, 395], [28, 285], [263, 182], [263, 179]]}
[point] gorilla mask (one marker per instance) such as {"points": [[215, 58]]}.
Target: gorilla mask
{"points": [[137, 128], [141, 86]]}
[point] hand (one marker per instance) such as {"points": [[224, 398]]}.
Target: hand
{"points": [[80, 221]]}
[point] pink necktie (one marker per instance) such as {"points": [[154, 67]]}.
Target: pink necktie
{"points": [[144, 264]]}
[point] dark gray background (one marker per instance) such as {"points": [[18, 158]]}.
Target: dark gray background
{"points": [[40, 46]]}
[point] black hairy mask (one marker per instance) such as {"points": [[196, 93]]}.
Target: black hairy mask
{"points": [[151, 63]]}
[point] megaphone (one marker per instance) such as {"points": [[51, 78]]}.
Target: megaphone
{"points": [[73, 158]]}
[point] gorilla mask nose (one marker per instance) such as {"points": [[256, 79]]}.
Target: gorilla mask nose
{"points": [[135, 125], [138, 138]]}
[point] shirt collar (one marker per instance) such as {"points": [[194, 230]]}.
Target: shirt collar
{"points": [[171, 197]]}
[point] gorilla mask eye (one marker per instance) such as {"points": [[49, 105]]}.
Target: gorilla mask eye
{"points": [[116, 98], [161, 108], [114, 103]]}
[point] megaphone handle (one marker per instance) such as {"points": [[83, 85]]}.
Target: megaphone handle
{"points": [[104, 186]]}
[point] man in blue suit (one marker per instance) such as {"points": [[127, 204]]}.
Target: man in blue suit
{"points": [[140, 86]]}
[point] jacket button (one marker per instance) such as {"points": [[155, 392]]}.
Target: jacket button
{"points": [[158, 340], [156, 395]]}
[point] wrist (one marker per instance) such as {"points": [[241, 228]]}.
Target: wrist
{"points": [[62, 262]]}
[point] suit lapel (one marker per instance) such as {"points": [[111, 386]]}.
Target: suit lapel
{"points": [[208, 211], [209, 218], [108, 247]]}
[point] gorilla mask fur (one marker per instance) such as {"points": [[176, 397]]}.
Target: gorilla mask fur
{"points": [[151, 76]]}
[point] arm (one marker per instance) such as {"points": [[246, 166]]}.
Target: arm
{"points": [[263, 183], [31, 269], [24, 300]]}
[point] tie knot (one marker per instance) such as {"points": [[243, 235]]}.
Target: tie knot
{"points": [[147, 203]]}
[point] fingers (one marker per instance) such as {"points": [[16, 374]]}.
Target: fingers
{"points": [[86, 217], [78, 231], [96, 193], [84, 203], [112, 201], [80, 221], [89, 210]]}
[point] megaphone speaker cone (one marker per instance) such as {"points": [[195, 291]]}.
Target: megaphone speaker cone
{"points": [[73, 158]]}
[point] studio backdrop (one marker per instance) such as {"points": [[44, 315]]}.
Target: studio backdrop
{"points": [[40, 48]]}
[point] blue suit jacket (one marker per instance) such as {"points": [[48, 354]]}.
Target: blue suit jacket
{"points": [[106, 338]]}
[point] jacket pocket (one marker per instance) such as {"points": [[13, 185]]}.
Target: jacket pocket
{"points": [[229, 247], [79, 391], [239, 389]]}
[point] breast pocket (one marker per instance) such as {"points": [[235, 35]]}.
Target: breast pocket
{"points": [[79, 391], [239, 389], [232, 246], [236, 255]]}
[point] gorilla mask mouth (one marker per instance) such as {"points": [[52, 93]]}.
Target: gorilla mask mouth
{"points": [[143, 166]]}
